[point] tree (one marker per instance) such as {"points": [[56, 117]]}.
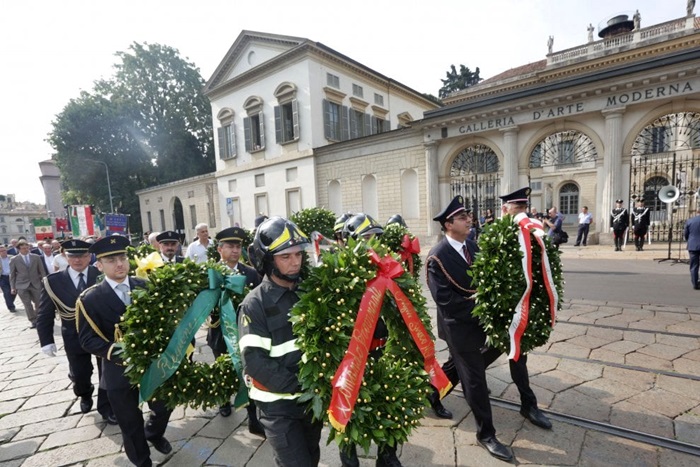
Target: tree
{"points": [[150, 123], [458, 81]]}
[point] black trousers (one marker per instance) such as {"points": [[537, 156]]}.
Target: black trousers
{"points": [[694, 266], [125, 403], [639, 234], [582, 234], [80, 373], [484, 418], [6, 288], [619, 236], [291, 432]]}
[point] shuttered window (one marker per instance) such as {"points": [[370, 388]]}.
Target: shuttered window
{"points": [[287, 122], [254, 129], [227, 142], [335, 121]]}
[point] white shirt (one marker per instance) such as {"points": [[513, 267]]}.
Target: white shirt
{"points": [[198, 252], [75, 276], [60, 263], [457, 246], [585, 218], [48, 260]]}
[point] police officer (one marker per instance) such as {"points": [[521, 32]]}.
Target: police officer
{"points": [[268, 345], [230, 246], [452, 290], [619, 220], [168, 244], [363, 226], [641, 218], [98, 312], [59, 294]]}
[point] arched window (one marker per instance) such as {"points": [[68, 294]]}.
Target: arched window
{"points": [[335, 197], [369, 196], [474, 175], [669, 133], [409, 194], [568, 199], [563, 148]]}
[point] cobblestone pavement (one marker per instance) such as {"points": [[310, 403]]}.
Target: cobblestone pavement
{"points": [[626, 365]]}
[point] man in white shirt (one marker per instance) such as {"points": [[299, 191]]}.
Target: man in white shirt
{"points": [[197, 251], [47, 257], [585, 219]]}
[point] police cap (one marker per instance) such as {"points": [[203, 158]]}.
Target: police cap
{"points": [[232, 235], [455, 207], [109, 246], [75, 247], [168, 236], [519, 196]]}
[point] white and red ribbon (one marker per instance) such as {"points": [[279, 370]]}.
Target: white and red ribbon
{"points": [[318, 239], [521, 313]]}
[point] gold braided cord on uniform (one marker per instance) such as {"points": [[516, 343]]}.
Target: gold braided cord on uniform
{"points": [[449, 278], [65, 312], [212, 324], [80, 309]]}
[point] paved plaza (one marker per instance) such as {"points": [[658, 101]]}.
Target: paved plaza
{"points": [[610, 367]]}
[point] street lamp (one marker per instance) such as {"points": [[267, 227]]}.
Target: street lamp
{"points": [[109, 185]]}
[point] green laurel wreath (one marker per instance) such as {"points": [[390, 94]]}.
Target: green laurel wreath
{"points": [[395, 387], [498, 276], [150, 321], [315, 219], [392, 238]]}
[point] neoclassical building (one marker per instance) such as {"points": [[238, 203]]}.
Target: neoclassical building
{"points": [[613, 118], [301, 125]]}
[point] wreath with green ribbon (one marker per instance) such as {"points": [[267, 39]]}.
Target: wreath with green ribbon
{"points": [[497, 274], [160, 323], [394, 388]]}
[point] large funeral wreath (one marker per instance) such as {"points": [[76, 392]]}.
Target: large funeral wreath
{"points": [[160, 315], [500, 283], [394, 387]]}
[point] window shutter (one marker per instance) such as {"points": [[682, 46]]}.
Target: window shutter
{"points": [[368, 124], [387, 125], [295, 118], [326, 119], [344, 123], [373, 127], [353, 125], [262, 130], [232, 139], [248, 131], [223, 154], [279, 137]]}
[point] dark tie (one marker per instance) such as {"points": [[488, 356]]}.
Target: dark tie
{"points": [[81, 282], [466, 254]]}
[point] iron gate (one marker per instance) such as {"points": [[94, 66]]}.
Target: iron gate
{"points": [[480, 192]]}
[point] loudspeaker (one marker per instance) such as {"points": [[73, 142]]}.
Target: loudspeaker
{"points": [[669, 194]]}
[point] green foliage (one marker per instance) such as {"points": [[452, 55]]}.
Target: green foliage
{"points": [[394, 390], [315, 219], [149, 323], [392, 237], [498, 276], [150, 123], [457, 81]]}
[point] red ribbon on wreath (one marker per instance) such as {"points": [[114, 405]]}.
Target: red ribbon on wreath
{"points": [[348, 378], [408, 249]]}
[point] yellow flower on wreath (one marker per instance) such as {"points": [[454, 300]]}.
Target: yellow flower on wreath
{"points": [[148, 264]]}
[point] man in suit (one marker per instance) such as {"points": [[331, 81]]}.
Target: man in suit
{"points": [[230, 246], [12, 249], [59, 294], [26, 273], [98, 312], [47, 257], [168, 243], [451, 288], [691, 233], [5, 279]]}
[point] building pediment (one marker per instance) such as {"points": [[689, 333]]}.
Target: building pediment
{"points": [[250, 50]]}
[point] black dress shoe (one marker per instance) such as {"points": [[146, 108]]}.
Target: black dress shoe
{"points": [[110, 419], [440, 410], [85, 404], [225, 410], [162, 445], [496, 448], [536, 416]]}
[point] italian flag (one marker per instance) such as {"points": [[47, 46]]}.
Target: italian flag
{"points": [[42, 228], [81, 221]]}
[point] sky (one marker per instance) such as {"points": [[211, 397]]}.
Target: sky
{"points": [[52, 50]]}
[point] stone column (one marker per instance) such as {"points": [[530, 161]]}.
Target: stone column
{"points": [[612, 165], [509, 182], [432, 180]]}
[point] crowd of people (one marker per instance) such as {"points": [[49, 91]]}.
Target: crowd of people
{"points": [[62, 279]]}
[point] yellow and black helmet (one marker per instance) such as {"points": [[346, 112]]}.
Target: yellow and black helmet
{"points": [[361, 225], [272, 237]]}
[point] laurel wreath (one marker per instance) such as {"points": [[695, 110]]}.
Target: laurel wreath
{"points": [[150, 321], [392, 238], [498, 276], [392, 398]]}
